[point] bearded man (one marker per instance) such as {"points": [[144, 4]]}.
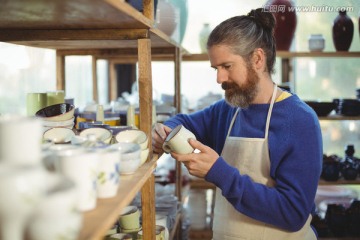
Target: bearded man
{"points": [[261, 146]]}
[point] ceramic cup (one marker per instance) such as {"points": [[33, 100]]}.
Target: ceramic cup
{"points": [[129, 218], [158, 235], [130, 157], [108, 172], [178, 141], [55, 97], [162, 231], [161, 220], [21, 190], [56, 216], [35, 102], [80, 165], [20, 139]]}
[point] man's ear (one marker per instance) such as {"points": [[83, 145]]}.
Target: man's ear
{"points": [[259, 59]]}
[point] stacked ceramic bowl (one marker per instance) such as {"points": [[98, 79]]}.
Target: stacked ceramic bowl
{"points": [[135, 136], [57, 115], [58, 122]]}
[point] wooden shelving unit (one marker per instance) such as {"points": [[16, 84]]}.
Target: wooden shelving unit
{"points": [[98, 27]]}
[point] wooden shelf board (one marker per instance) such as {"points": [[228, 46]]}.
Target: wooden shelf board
{"points": [[79, 24], [339, 182], [286, 54], [100, 41], [339, 117], [282, 54], [71, 14], [96, 222]]}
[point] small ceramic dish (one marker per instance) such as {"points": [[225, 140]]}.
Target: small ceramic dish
{"points": [[133, 136], [56, 112], [58, 135], [101, 134]]}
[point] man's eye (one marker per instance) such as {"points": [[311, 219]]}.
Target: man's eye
{"points": [[227, 66]]}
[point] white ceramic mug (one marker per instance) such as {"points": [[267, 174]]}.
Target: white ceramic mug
{"points": [[56, 216], [21, 190], [178, 141], [108, 173], [80, 165], [20, 140]]}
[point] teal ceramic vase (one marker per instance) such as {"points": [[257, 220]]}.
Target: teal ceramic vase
{"points": [[182, 5]]}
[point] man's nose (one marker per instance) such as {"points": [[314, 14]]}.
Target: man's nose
{"points": [[221, 76]]}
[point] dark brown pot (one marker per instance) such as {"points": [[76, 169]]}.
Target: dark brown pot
{"points": [[285, 22], [342, 31]]}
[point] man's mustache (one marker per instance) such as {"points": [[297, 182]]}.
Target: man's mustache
{"points": [[226, 85]]}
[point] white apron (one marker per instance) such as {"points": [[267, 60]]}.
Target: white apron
{"points": [[251, 157]]}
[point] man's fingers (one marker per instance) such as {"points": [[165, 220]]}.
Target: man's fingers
{"points": [[197, 145], [161, 130]]}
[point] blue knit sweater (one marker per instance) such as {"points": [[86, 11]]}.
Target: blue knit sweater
{"points": [[295, 145]]}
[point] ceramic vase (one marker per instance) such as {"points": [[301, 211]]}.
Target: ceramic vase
{"points": [[342, 31], [203, 37], [167, 17], [285, 22], [182, 5]]}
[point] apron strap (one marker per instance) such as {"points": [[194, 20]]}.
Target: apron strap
{"points": [[270, 111], [268, 115], [232, 122]]}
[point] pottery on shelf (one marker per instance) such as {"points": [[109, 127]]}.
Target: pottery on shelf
{"points": [[285, 22], [182, 6], [342, 31], [167, 17], [203, 37], [316, 42]]}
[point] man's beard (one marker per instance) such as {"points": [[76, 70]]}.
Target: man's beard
{"points": [[242, 96]]}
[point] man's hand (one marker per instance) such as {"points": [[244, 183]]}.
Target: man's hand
{"points": [[159, 134], [198, 163]]}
